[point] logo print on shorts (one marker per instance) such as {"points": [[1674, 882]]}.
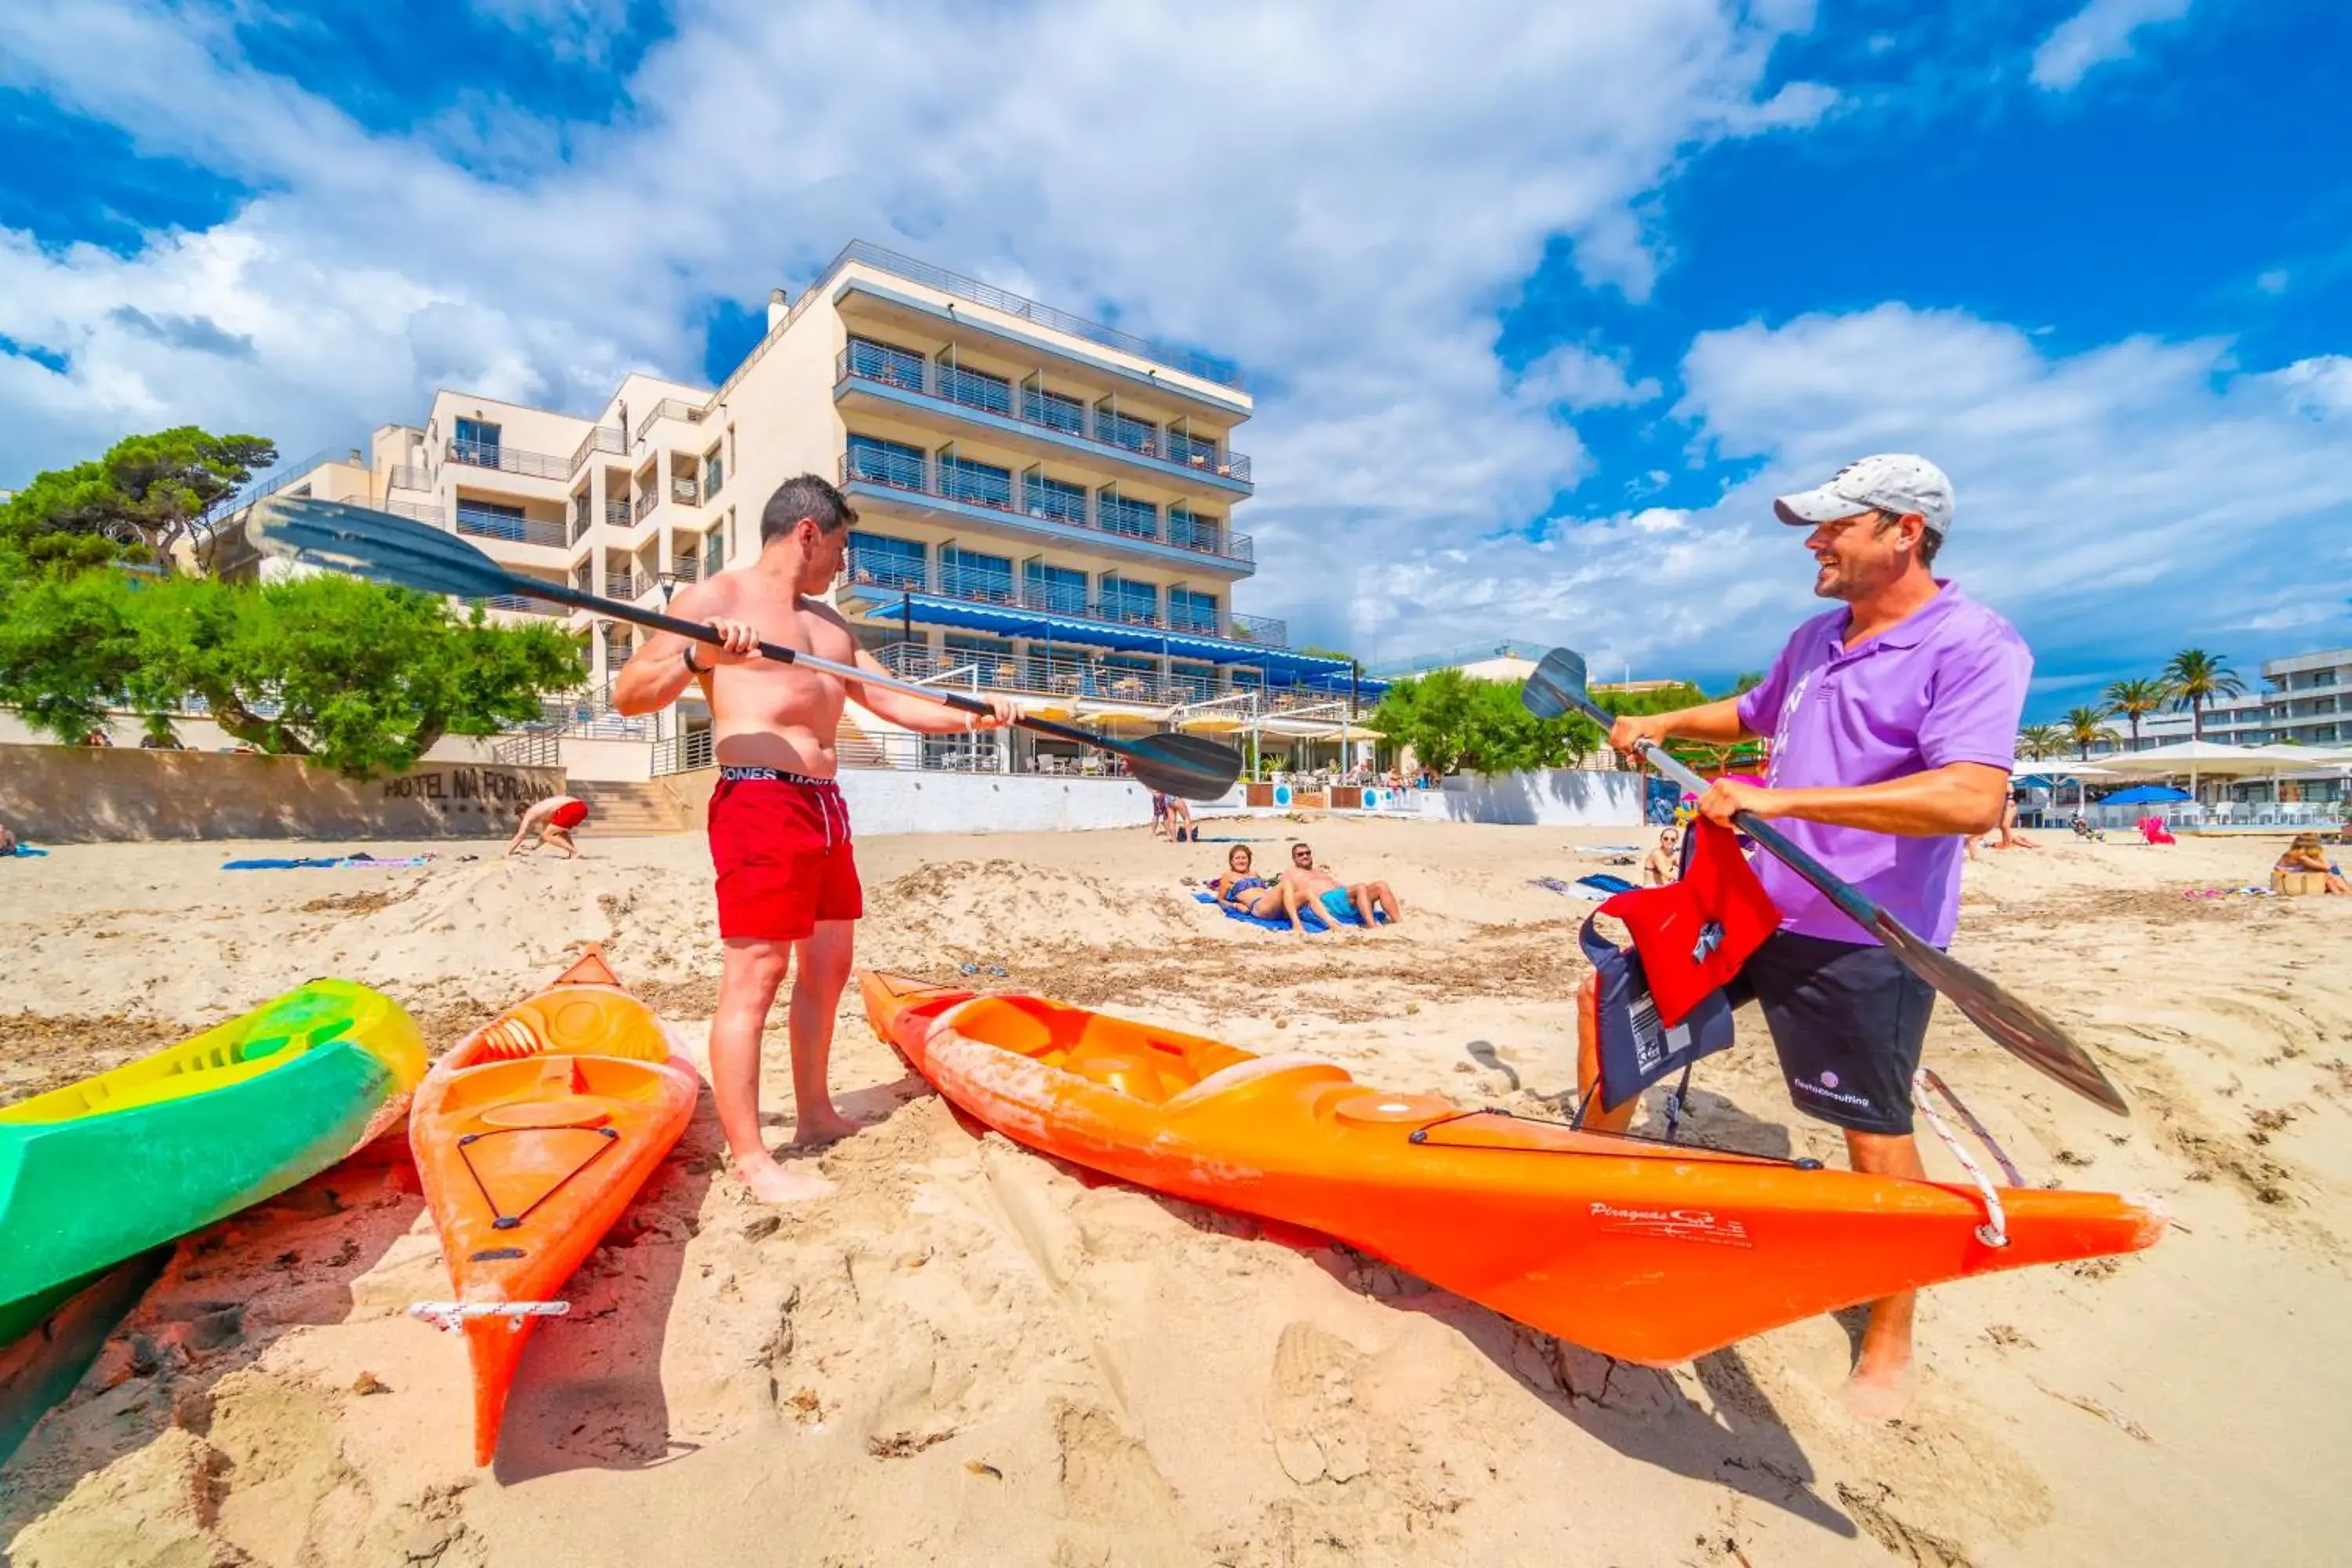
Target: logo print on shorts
{"points": [[1829, 1080]]}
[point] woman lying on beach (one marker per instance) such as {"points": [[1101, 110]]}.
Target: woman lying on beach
{"points": [[2304, 854], [1238, 888]]}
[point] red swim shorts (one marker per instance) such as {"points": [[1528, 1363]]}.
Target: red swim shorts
{"points": [[780, 843], [569, 815]]}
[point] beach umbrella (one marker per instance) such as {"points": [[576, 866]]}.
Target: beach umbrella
{"points": [[2026, 771], [2148, 795], [2193, 758]]}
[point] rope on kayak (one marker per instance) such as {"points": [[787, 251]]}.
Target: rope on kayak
{"points": [[500, 1220], [1994, 1232], [448, 1316]]}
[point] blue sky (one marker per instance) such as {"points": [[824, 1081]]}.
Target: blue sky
{"points": [[1541, 306]]}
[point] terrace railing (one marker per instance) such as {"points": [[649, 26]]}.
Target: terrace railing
{"points": [[509, 459], [1097, 513], [879, 575], [992, 394], [670, 408], [512, 530], [600, 438]]}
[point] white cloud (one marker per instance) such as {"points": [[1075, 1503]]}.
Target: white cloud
{"points": [[2099, 32], [2273, 281], [1577, 378]]}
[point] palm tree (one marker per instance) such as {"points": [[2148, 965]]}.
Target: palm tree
{"points": [[2196, 677], [2137, 699], [2041, 741], [2083, 726]]}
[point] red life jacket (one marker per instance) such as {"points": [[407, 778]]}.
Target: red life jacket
{"points": [[1693, 935]]}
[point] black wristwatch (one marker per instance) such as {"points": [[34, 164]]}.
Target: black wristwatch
{"points": [[686, 657]]}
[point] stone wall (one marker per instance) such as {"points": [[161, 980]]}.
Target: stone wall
{"points": [[905, 800], [64, 794]]}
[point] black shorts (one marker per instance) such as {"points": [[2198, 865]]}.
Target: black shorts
{"points": [[1848, 1021]]}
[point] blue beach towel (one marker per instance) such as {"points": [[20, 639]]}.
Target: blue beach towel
{"points": [[25, 850], [327, 863], [1314, 917]]}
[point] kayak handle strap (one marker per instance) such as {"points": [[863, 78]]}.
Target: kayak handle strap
{"points": [[448, 1316], [1994, 1232]]}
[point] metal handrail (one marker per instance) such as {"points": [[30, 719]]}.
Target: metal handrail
{"points": [[886, 366], [616, 510], [408, 477], [920, 476], [671, 408], [508, 460], [600, 438], [510, 530]]}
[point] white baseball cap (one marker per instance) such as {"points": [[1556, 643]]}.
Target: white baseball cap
{"points": [[1890, 481]]}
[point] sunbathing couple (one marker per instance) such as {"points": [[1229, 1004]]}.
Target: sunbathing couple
{"points": [[1303, 882]]}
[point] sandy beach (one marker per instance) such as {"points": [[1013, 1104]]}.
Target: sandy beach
{"points": [[972, 1354]]}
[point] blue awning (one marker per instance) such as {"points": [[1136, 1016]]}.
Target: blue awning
{"points": [[1012, 621]]}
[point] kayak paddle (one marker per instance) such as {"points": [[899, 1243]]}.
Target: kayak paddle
{"points": [[385, 548], [1557, 688]]}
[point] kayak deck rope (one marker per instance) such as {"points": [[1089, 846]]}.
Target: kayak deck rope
{"points": [[1994, 1232], [450, 1315], [504, 1221]]}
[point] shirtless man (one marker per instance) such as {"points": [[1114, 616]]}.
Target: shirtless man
{"points": [[779, 830], [1316, 885], [552, 820]]}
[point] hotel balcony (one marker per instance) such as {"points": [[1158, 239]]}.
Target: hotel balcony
{"points": [[892, 381], [1077, 676], [483, 523], [875, 581], [602, 438], [953, 493], [508, 460]]}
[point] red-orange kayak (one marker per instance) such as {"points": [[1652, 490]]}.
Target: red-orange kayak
{"points": [[531, 1136], [1653, 1252]]}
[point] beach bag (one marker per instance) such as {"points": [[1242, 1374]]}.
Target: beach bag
{"points": [[1637, 1047]]}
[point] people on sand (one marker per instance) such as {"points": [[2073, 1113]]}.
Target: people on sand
{"points": [[552, 820], [1893, 720], [8, 840], [1172, 817], [1664, 862], [1317, 884], [779, 837], [2304, 854], [1238, 887], [2011, 838]]}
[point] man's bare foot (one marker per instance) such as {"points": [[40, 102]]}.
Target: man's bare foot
{"points": [[1879, 1396], [816, 1131], [773, 1184]]}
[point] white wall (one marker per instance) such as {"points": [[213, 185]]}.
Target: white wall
{"points": [[1553, 797], [896, 800]]}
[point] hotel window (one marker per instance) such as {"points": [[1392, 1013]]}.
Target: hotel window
{"points": [[976, 389], [1056, 498], [490, 520], [477, 442], [887, 563], [714, 470], [886, 363], [1123, 514], [892, 463], [980, 484], [1192, 611], [1124, 599], [967, 575], [1193, 530], [1053, 410], [1060, 590]]}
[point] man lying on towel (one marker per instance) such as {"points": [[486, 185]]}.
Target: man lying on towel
{"points": [[1343, 903]]}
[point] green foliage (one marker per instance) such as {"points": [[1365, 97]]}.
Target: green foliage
{"points": [[2135, 700], [1453, 723], [2196, 677], [2041, 741], [2083, 727], [1313, 652], [361, 678], [135, 503]]}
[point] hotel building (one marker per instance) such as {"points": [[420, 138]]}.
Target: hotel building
{"points": [[1046, 508]]}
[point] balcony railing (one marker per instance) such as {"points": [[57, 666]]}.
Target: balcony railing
{"points": [[923, 476], [623, 585], [643, 504], [509, 459], [685, 490], [992, 395], [421, 512], [877, 576], [520, 601], [411, 479], [601, 438], [671, 408], [1066, 674], [510, 530], [616, 510]]}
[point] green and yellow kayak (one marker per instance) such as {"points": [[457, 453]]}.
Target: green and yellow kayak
{"points": [[101, 1170]]}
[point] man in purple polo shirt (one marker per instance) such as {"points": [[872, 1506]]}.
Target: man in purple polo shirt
{"points": [[1893, 720]]}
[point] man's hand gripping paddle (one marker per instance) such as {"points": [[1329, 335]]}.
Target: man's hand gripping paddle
{"points": [[1557, 688], [389, 549]]}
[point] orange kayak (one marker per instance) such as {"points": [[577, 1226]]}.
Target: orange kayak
{"points": [[1648, 1251], [531, 1136]]}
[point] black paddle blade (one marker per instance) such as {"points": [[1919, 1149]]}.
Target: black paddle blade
{"points": [[377, 545], [1192, 766], [2013, 1024], [1556, 686]]}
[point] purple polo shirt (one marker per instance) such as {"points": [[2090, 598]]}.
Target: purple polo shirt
{"points": [[1946, 685]]}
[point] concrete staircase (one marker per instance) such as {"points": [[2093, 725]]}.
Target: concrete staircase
{"points": [[630, 808]]}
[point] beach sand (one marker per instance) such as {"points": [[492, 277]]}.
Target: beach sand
{"points": [[973, 1354]]}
